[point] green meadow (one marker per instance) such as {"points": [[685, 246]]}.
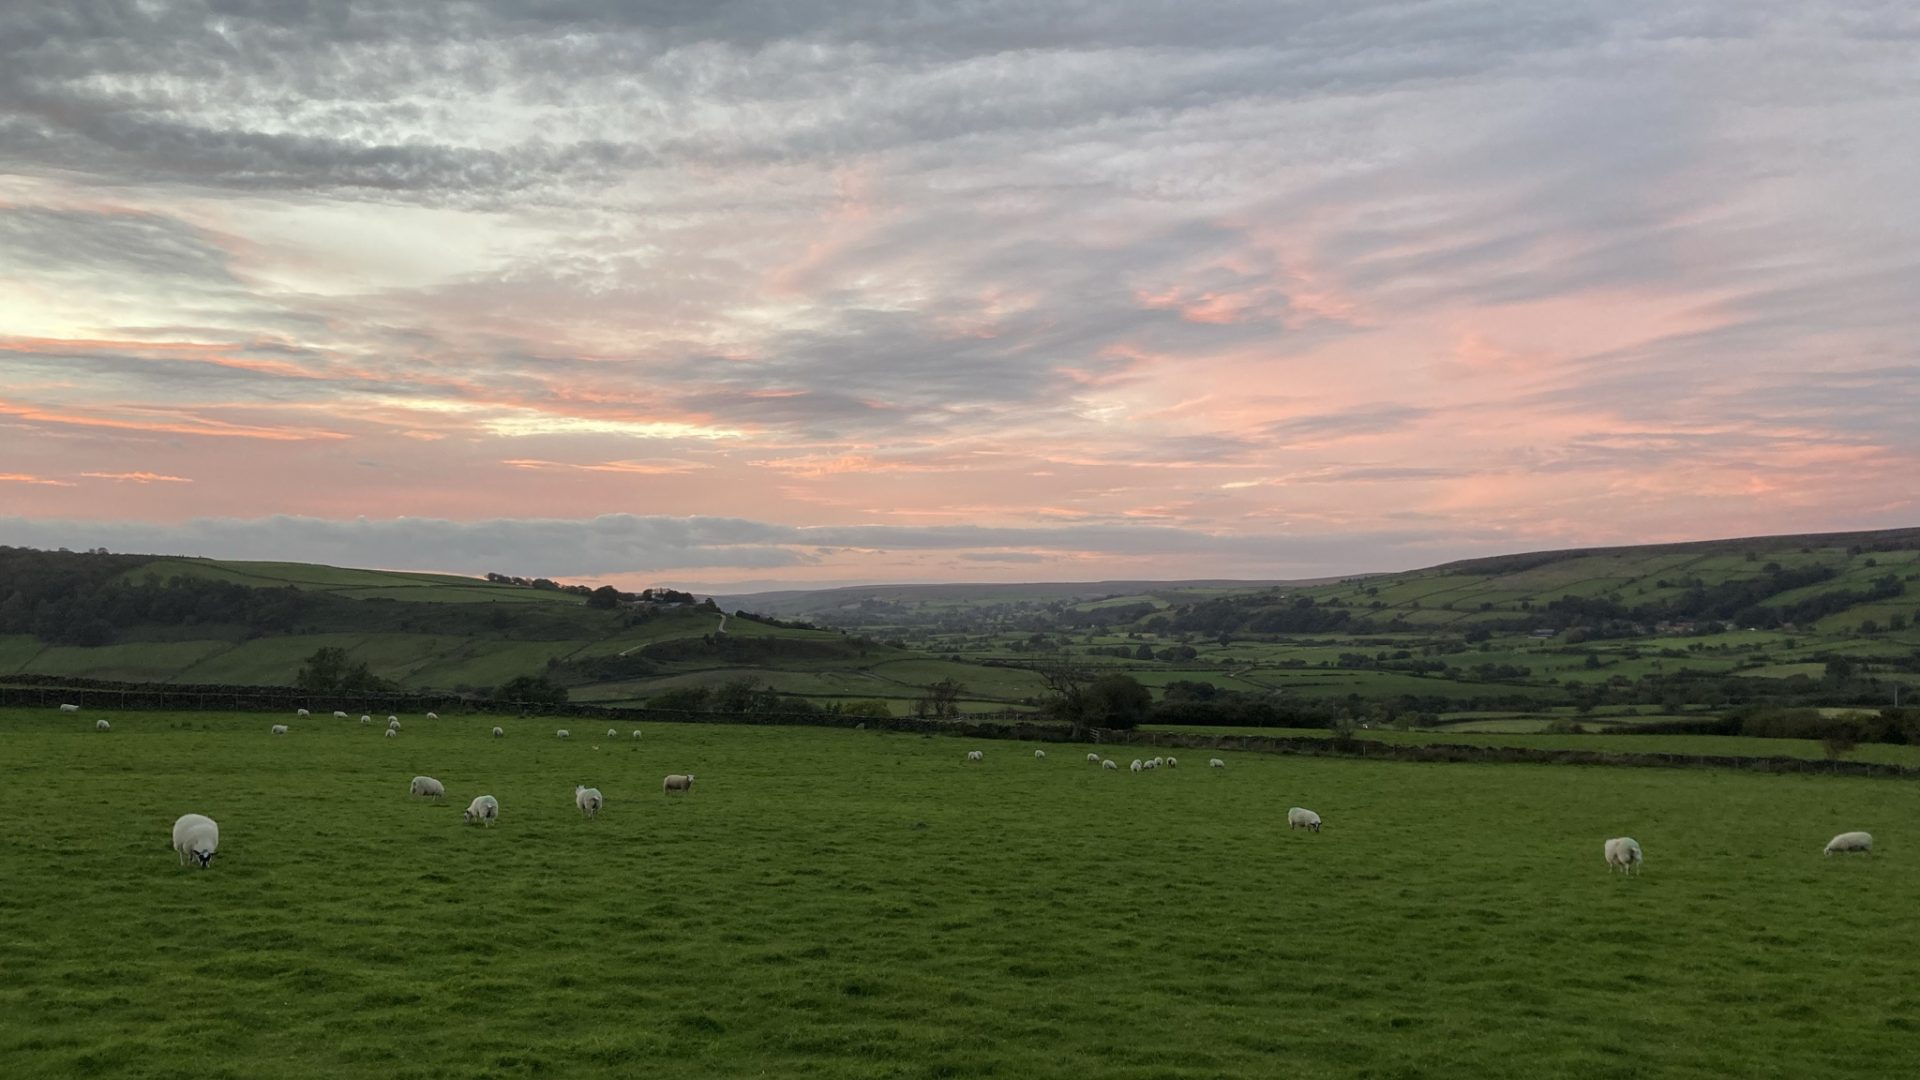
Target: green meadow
{"points": [[841, 903]]}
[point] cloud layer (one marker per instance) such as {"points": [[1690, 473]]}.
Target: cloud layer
{"points": [[1129, 289]]}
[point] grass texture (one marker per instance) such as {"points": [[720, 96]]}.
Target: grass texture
{"points": [[832, 903]]}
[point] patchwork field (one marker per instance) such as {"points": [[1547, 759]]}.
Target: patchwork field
{"points": [[855, 904]]}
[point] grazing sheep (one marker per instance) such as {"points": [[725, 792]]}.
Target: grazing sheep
{"points": [[1040, 755], [393, 733], [1107, 763], [302, 713], [1159, 761], [588, 800], [1216, 763], [392, 719], [1137, 765], [484, 809], [69, 708], [196, 836], [427, 787], [1849, 841], [338, 715], [433, 716], [1623, 853], [636, 733], [1093, 759], [102, 725], [1153, 763], [612, 734], [1173, 763], [1301, 818], [677, 782], [365, 719], [279, 729], [563, 733], [975, 755], [497, 733], [393, 723]]}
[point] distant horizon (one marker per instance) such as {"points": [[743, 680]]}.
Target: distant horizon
{"points": [[821, 292]]}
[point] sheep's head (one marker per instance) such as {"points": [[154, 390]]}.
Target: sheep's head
{"points": [[205, 857]]}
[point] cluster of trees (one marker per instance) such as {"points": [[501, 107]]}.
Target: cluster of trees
{"points": [[331, 669], [606, 596], [68, 608]]}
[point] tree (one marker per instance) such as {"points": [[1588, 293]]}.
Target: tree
{"points": [[329, 668], [941, 700], [1118, 700], [606, 596], [531, 690]]}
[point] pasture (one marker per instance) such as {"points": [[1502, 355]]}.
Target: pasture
{"points": [[841, 903]]}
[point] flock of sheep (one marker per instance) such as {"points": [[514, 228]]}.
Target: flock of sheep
{"points": [[196, 837]]}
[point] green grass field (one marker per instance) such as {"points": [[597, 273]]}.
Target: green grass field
{"points": [[853, 904]]}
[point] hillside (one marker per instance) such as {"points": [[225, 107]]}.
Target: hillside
{"points": [[1505, 643]]}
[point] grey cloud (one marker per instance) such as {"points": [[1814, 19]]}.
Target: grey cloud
{"points": [[1367, 420]]}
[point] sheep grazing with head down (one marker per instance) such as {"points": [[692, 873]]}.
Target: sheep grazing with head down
{"points": [[279, 729], [1623, 854], [1093, 759], [682, 783], [393, 723], [636, 733], [102, 725], [196, 838], [1173, 763], [975, 755], [563, 733], [301, 713], [393, 733], [1039, 755], [1851, 841], [589, 800], [338, 715], [484, 809], [497, 732], [1299, 817], [1216, 763], [426, 787], [365, 719], [433, 716], [1107, 763], [69, 708], [1137, 765]]}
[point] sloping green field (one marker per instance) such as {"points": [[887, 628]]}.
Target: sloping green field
{"points": [[854, 904]]}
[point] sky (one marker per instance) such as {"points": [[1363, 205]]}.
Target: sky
{"points": [[796, 292]]}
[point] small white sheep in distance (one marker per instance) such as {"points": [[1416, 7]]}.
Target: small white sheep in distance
{"points": [[393, 723], [612, 734], [1093, 759], [1299, 817], [1039, 755], [433, 716], [1216, 763], [1153, 763], [975, 755], [69, 708], [1851, 841], [588, 800], [366, 719], [279, 729], [1623, 854], [682, 783], [1159, 761], [636, 733], [427, 788], [1173, 762], [392, 734], [102, 725], [302, 713], [484, 809], [563, 733], [1108, 764], [1137, 765], [196, 837], [338, 715], [497, 732]]}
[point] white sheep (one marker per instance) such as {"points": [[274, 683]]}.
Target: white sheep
{"points": [[1107, 763], [1137, 765], [563, 733], [102, 725], [427, 788], [612, 734], [433, 716], [1159, 761], [1153, 763], [279, 729], [1093, 759], [392, 719], [588, 800], [1851, 841], [677, 782], [975, 755], [338, 715], [366, 719], [484, 809], [1039, 755], [1173, 763], [497, 732], [1623, 854], [1216, 763], [636, 733], [196, 836], [69, 708], [1299, 817], [301, 713], [393, 723], [392, 734]]}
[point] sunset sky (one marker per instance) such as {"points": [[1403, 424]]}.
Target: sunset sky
{"points": [[719, 294]]}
